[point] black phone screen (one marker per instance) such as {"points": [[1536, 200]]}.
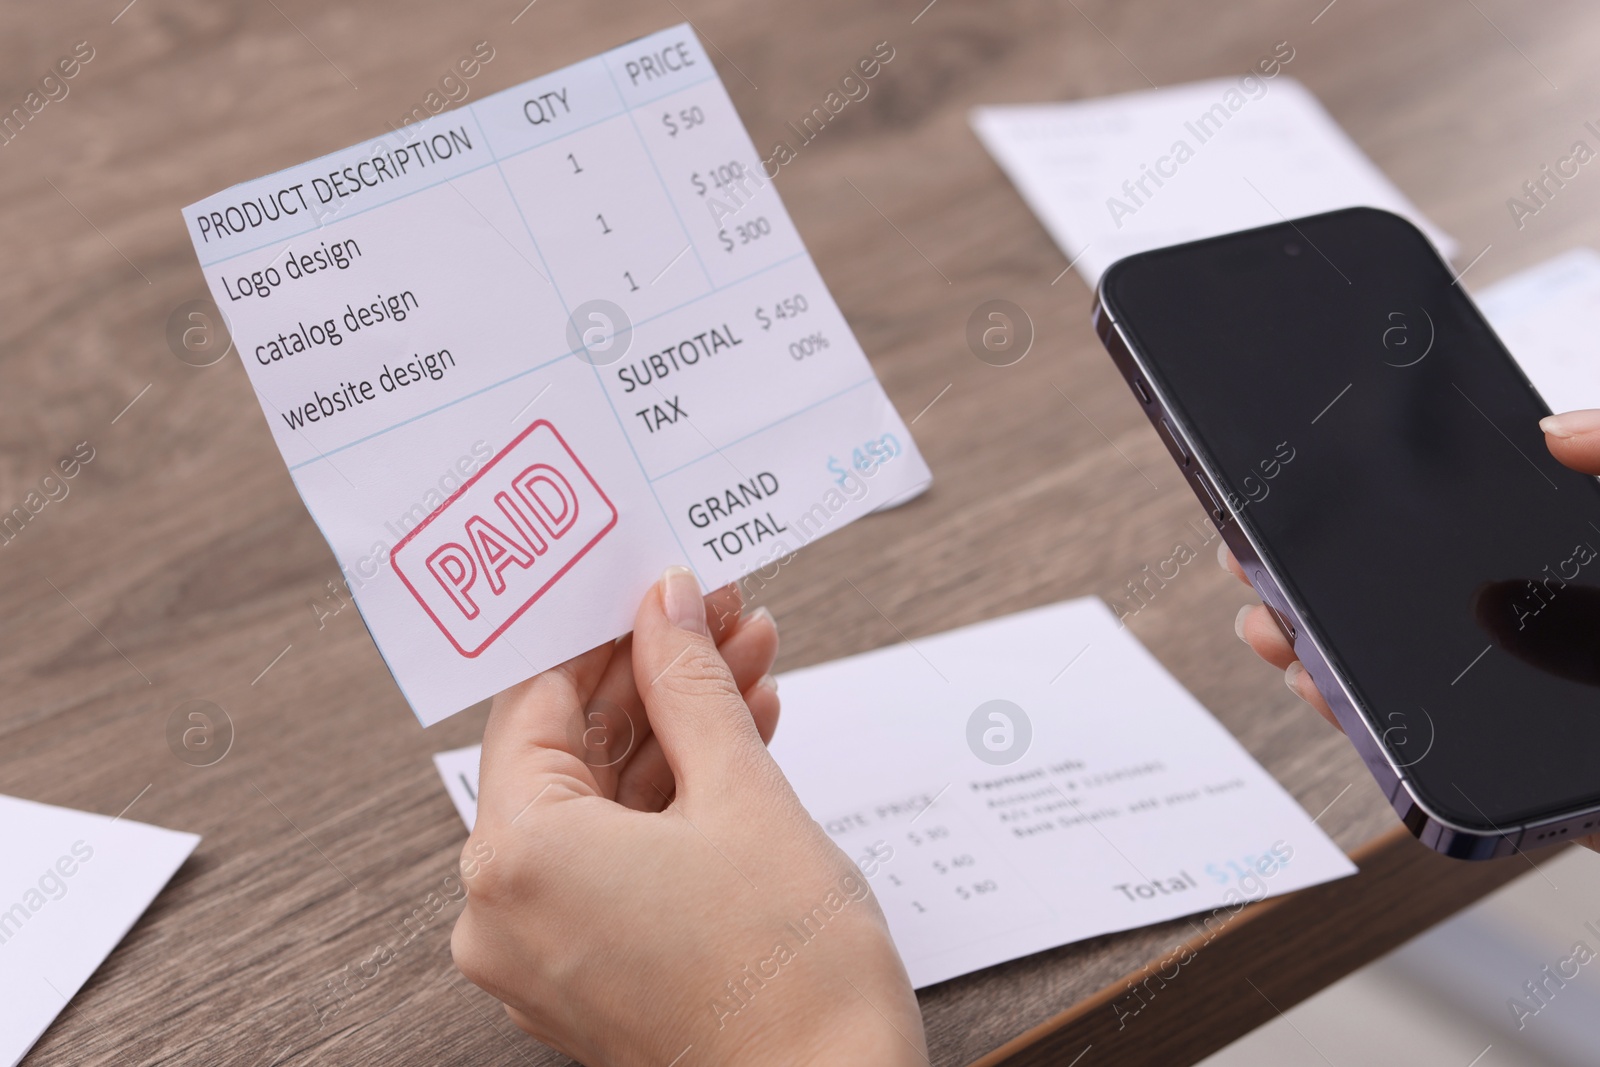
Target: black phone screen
{"points": [[1381, 448]]}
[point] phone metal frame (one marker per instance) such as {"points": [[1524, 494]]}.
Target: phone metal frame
{"points": [[1432, 829]]}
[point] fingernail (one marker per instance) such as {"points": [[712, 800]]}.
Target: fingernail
{"points": [[1571, 423], [1238, 621], [1222, 556], [768, 682], [681, 597], [1292, 676], [762, 612]]}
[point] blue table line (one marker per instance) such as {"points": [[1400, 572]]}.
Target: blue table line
{"points": [[626, 110], [341, 216], [550, 362], [432, 411], [716, 451], [470, 109], [655, 167], [713, 76]]}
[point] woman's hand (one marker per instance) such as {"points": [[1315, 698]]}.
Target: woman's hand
{"points": [[643, 884]]}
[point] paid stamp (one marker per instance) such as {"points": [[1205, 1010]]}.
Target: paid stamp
{"points": [[504, 538]]}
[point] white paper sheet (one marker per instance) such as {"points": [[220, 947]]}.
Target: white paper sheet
{"points": [[1125, 803], [1122, 174], [1549, 317], [72, 884], [578, 340], [459, 770]]}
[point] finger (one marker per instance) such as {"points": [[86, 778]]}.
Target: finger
{"points": [[1574, 439], [1228, 563], [691, 697], [528, 740], [646, 782], [749, 649], [614, 727], [1257, 628], [1298, 679], [612, 724], [723, 607], [764, 706], [752, 648]]}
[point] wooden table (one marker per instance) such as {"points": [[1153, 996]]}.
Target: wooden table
{"points": [[182, 565]]}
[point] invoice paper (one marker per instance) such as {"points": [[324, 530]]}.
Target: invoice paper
{"points": [[1549, 316], [459, 770], [1123, 174], [521, 357], [72, 883], [1027, 782]]}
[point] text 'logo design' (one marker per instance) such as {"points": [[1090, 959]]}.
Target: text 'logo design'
{"points": [[504, 538]]}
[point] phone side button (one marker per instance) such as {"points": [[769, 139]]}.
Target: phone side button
{"points": [[1140, 390], [1174, 443], [1219, 514], [1283, 622]]}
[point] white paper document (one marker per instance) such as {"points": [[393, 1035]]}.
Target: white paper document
{"points": [[524, 355], [1024, 783], [1549, 317], [459, 770], [72, 883], [1112, 176]]}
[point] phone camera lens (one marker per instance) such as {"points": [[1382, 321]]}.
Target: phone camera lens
{"points": [[1291, 249]]}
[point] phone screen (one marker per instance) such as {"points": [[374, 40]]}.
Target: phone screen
{"points": [[1381, 448]]}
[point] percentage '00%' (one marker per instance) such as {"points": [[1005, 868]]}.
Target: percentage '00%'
{"points": [[809, 345]]}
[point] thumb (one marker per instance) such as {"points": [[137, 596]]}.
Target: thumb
{"points": [[695, 708], [1574, 439]]}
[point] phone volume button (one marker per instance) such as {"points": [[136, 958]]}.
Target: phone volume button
{"points": [[1270, 595], [1174, 442], [1219, 514], [1283, 623], [1140, 390]]}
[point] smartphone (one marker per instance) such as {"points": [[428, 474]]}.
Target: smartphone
{"points": [[1371, 453]]}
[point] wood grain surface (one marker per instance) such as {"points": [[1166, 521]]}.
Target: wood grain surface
{"points": [[182, 565]]}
